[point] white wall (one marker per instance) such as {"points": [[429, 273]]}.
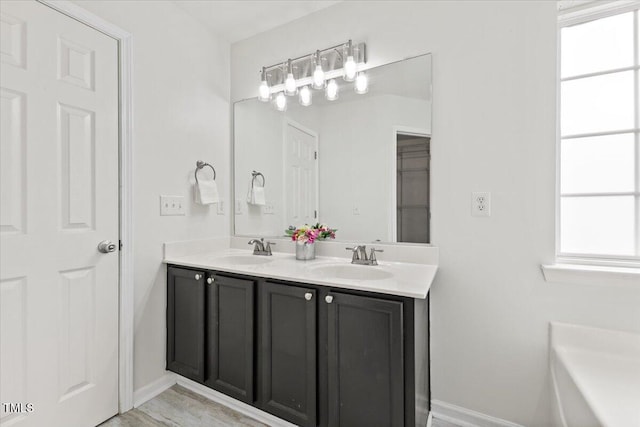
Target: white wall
{"points": [[181, 114], [494, 67]]}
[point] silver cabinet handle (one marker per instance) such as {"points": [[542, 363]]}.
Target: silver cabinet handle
{"points": [[198, 277], [106, 246], [308, 296], [328, 299], [210, 280]]}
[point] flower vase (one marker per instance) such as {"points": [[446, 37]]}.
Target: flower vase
{"points": [[305, 251]]}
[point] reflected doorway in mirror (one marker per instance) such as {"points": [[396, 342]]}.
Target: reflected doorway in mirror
{"points": [[412, 215]]}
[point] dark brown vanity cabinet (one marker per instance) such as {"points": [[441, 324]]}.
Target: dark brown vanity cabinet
{"points": [[312, 355]]}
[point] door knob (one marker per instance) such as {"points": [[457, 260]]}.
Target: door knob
{"points": [[328, 299], [106, 246], [308, 296], [210, 280]]}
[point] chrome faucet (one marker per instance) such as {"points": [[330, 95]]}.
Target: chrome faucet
{"points": [[259, 247], [360, 255]]}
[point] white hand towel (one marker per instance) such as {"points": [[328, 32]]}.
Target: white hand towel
{"points": [[250, 195], [255, 196], [206, 192], [258, 196]]}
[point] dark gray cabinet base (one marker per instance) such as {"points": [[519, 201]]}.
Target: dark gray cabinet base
{"points": [[312, 355]]}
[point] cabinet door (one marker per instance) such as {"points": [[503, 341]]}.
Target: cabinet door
{"points": [[288, 352], [230, 336], [365, 345], [185, 322]]}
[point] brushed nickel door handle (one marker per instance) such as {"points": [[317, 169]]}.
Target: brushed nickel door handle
{"points": [[106, 246]]}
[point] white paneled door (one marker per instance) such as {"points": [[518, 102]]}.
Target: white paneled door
{"points": [[301, 175], [59, 199]]}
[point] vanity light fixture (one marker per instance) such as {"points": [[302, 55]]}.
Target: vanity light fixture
{"points": [[290, 87], [313, 70], [362, 84], [305, 96], [281, 102], [331, 93], [264, 94], [349, 64]]}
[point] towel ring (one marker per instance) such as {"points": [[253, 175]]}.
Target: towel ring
{"points": [[199, 165], [254, 175]]}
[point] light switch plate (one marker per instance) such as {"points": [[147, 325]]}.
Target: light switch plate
{"points": [[171, 205], [268, 209], [220, 207], [481, 203], [238, 208]]}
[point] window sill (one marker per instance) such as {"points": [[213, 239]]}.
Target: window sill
{"points": [[591, 274]]}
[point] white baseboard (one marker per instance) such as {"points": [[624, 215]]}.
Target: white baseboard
{"points": [[442, 423], [232, 403], [448, 415], [151, 390]]}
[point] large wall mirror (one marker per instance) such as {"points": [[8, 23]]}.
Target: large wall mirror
{"points": [[359, 163]]}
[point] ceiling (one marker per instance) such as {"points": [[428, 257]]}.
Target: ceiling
{"points": [[241, 19], [236, 20]]}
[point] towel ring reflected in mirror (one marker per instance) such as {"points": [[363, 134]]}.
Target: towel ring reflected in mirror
{"points": [[254, 175], [199, 165]]}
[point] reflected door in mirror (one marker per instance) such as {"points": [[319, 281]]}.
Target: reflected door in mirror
{"points": [[301, 175]]}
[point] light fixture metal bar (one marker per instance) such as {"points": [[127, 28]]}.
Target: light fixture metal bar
{"points": [[360, 47], [332, 60]]}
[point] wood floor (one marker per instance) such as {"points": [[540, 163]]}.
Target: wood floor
{"points": [[179, 407]]}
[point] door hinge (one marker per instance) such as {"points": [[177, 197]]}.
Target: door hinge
{"points": [[315, 214], [120, 245], [315, 155]]}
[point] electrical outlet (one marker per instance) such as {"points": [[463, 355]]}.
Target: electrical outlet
{"points": [[356, 210], [481, 203], [268, 209], [171, 205], [238, 208], [220, 207]]}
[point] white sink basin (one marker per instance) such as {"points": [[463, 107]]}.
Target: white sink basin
{"points": [[353, 272], [245, 259]]}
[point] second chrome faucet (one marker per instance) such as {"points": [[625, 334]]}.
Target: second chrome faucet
{"points": [[360, 255]]}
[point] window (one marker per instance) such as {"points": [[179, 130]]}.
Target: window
{"points": [[599, 140]]}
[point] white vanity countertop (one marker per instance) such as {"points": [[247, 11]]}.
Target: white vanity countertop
{"points": [[407, 279]]}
